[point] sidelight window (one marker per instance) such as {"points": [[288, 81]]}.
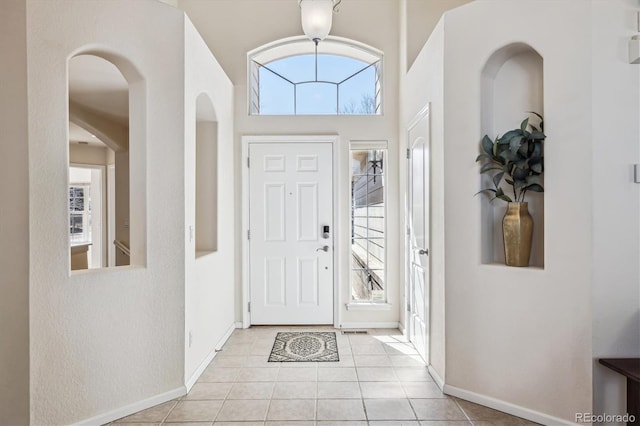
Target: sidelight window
{"points": [[368, 225]]}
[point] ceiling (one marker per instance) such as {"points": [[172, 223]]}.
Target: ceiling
{"points": [[79, 135], [99, 87]]}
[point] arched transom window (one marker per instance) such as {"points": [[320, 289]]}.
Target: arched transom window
{"points": [[296, 77]]}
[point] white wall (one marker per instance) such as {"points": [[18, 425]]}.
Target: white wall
{"points": [[518, 336], [209, 278], [521, 335], [422, 17], [88, 154], [101, 340], [14, 220], [424, 84], [616, 231], [230, 32]]}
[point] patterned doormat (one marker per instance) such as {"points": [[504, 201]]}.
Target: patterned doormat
{"points": [[305, 347]]}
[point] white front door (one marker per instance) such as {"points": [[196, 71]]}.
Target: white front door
{"points": [[291, 255], [418, 241]]}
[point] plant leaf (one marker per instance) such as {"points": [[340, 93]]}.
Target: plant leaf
{"points": [[519, 174], [497, 178], [504, 140], [541, 119], [536, 114], [504, 198], [535, 188], [537, 167], [537, 135], [531, 179], [483, 157], [514, 144], [524, 124], [485, 190], [509, 181], [489, 166], [536, 155], [487, 145]]}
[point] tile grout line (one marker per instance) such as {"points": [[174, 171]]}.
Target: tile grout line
{"points": [[164, 419]]}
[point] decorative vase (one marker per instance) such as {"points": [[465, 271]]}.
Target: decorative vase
{"points": [[517, 230]]}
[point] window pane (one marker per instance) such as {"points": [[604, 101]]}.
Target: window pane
{"points": [[80, 214], [368, 226], [276, 94], [316, 98], [337, 68], [358, 94], [294, 84], [295, 68]]}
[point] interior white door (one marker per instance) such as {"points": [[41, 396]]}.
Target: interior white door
{"points": [[418, 244], [291, 256]]}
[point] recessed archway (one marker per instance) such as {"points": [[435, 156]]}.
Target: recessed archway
{"points": [[206, 233], [512, 86], [103, 88]]}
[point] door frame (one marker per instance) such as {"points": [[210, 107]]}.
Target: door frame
{"points": [[423, 113], [247, 140], [104, 236]]}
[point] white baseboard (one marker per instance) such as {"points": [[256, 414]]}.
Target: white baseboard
{"points": [[203, 365], [436, 377], [393, 325], [133, 408], [226, 336], [239, 324], [401, 328], [506, 407]]}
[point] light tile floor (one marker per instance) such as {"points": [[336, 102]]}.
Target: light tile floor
{"points": [[379, 381]]}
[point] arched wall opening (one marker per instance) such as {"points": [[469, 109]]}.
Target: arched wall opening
{"points": [[206, 232], [106, 136], [512, 85]]}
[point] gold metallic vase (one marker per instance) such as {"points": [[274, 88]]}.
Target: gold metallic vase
{"points": [[517, 230]]}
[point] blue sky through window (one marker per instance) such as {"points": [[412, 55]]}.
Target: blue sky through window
{"points": [[289, 86]]}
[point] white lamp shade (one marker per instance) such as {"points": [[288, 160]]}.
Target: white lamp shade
{"points": [[316, 18]]}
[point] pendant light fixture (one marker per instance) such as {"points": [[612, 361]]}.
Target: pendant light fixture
{"points": [[316, 17]]}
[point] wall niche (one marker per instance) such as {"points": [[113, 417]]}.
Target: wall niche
{"points": [[512, 85]]}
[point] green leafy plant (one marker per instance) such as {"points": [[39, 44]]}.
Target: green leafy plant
{"points": [[515, 157]]}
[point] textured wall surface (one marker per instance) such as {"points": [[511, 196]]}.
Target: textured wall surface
{"points": [[521, 336], [104, 339], [504, 324], [616, 199], [210, 281], [14, 218]]}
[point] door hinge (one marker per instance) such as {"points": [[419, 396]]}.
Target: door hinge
{"points": [[408, 306], [248, 234], [408, 154], [408, 230], [248, 162], [248, 306]]}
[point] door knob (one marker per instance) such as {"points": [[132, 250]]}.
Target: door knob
{"points": [[423, 252], [323, 248]]}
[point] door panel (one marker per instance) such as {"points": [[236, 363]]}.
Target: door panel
{"points": [[274, 214], [307, 214], [418, 244], [274, 281], [291, 199]]}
